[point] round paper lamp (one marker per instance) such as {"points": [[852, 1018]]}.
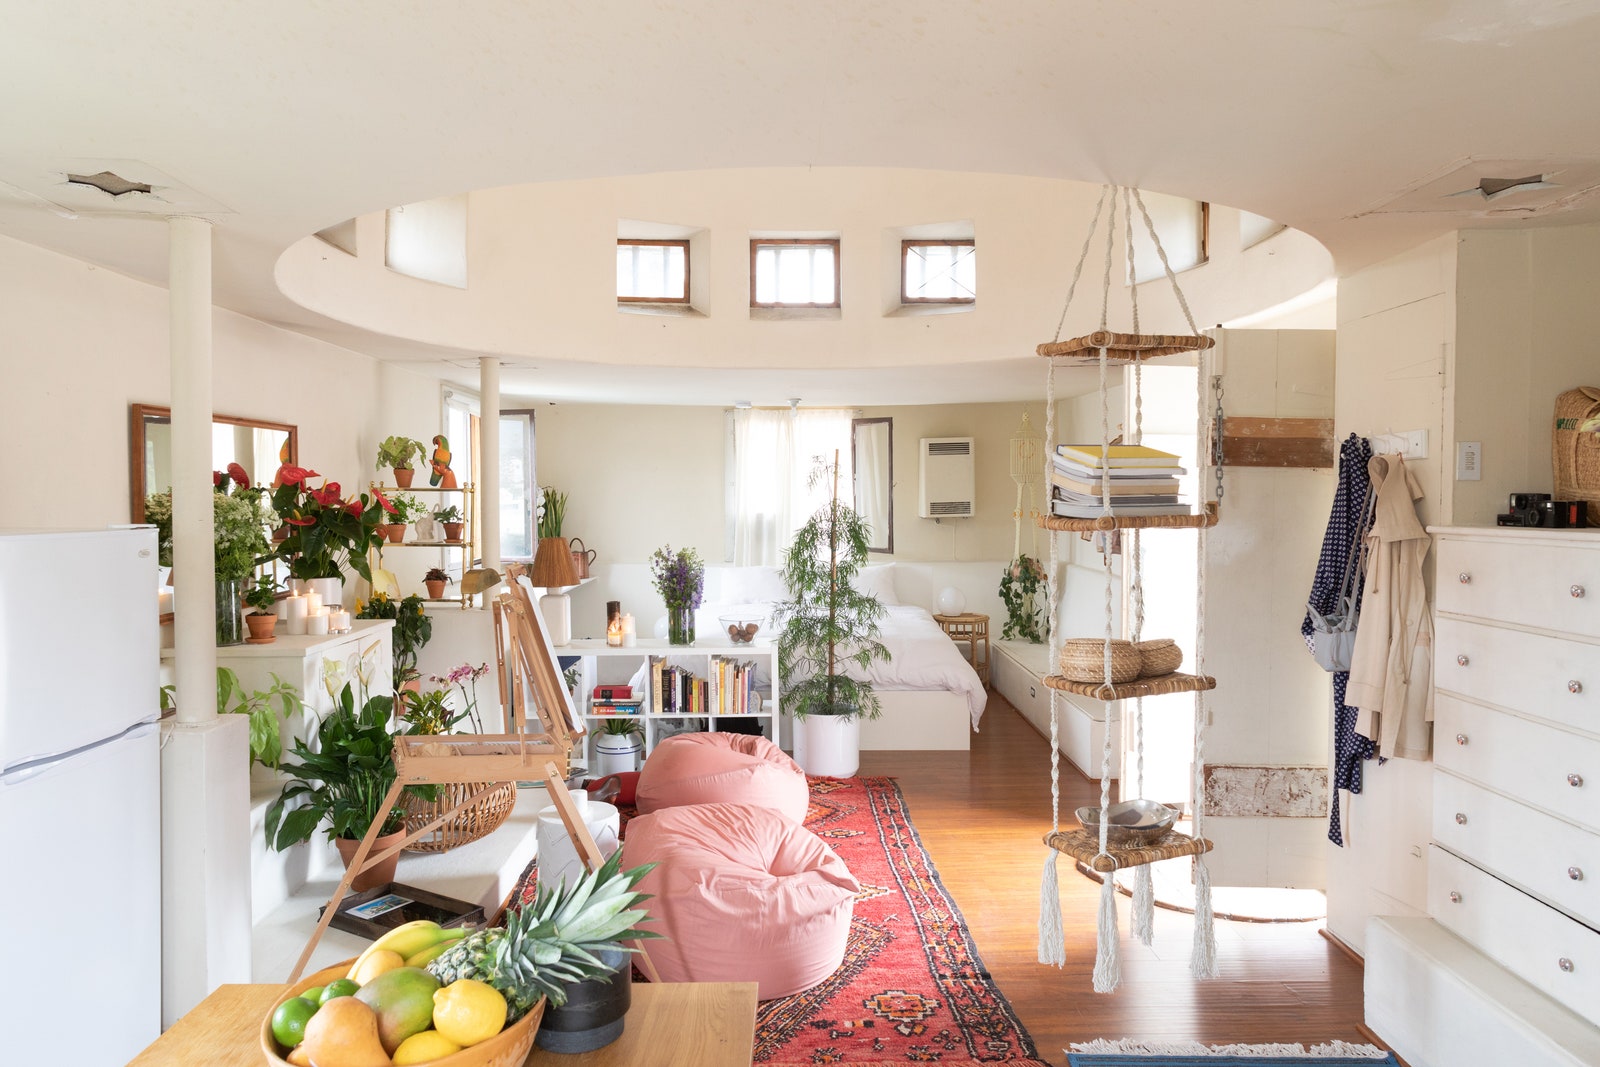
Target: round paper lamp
{"points": [[660, 628], [951, 601]]}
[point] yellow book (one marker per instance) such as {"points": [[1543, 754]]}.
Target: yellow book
{"points": [[1119, 455]]}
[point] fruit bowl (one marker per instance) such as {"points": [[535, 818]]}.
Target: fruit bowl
{"points": [[508, 1048], [741, 629]]}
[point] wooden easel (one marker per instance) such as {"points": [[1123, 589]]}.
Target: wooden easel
{"points": [[489, 759]]}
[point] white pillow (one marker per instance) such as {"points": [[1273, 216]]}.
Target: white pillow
{"points": [[753, 585], [878, 581]]}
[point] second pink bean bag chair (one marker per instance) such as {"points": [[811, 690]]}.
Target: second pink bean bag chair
{"points": [[718, 768]]}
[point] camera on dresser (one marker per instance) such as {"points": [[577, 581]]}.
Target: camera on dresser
{"points": [[1537, 509]]}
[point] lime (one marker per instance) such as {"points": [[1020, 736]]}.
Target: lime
{"points": [[468, 1011], [314, 994], [289, 1021], [339, 987]]}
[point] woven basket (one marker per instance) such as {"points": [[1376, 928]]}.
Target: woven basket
{"points": [[466, 825], [1575, 454], [1083, 659], [1161, 656]]}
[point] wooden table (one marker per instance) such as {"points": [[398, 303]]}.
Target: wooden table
{"points": [[709, 1024], [969, 629]]}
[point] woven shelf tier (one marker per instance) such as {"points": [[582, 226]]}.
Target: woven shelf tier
{"points": [[1124, 348], [1160, 685], [1208, 517], [1084, 847]]}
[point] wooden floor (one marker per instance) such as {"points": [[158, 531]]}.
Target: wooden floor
{"points": [[982, 816]]}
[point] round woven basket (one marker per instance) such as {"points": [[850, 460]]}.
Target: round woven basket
{"points": [[466, 825], [1083, 659], [1161, 656]]}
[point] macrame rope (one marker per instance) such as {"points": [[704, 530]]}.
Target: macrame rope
{"points": [[1083, 257], [1052, 935]]}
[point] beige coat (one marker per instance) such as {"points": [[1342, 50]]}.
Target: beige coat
{"points": [[1391, 669]]}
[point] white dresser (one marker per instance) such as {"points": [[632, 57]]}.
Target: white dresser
{"points": [[1514, 867]]}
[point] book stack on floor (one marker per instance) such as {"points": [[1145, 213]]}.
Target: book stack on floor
{"points": [[615, 700], [1144, 481]]}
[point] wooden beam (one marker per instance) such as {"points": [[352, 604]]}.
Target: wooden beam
{"points": [[1254, 442]]}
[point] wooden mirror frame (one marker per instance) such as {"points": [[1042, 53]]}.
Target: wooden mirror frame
{"points": [[137, 413], [855, 460]]}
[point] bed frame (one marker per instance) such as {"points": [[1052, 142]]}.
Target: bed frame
{"points": [[919, 719]]}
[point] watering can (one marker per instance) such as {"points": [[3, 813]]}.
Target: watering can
{"points": [[582, 556]]}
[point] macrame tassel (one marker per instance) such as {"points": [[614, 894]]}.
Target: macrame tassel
{"points": [[1144, 905], [1107, 961], [1203, 960], [1052, 938]]}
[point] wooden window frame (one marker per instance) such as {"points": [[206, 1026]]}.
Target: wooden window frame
{"points": [[905, 250], [757, 243], [682, 243]]}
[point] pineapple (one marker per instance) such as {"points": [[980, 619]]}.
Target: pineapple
{"points": [[552, 942]]}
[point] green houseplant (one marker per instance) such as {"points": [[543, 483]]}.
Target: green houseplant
{"points": [[552, 512], [449, 516], [262, 596], [413, 628], [827, 627], [396, 452], [435, 580], [1022, 589], [239, 541], [326, 532], [267, 709]]}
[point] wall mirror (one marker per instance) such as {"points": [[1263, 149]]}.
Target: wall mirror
{"points": [[254, 444], [872, 455]]}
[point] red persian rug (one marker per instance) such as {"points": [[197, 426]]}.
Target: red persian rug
{"points": [[912, 988]]}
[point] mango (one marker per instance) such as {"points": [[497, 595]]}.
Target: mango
{"points": [[402, 999], [344, 1033], [375, 963]]}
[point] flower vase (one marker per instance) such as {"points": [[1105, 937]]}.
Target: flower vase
{"points": [[680, 626], [230, 617]]}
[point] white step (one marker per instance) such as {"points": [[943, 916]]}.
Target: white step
{"points": [[1018, 671]]}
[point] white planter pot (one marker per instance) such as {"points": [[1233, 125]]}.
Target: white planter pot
{"points": [[832, 747], [331, 590], [615, 754]]}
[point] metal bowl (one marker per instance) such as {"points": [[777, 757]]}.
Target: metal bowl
{"points": [[1130, 822]]}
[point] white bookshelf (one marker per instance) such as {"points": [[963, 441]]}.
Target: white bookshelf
{"points": [[601, 663]]}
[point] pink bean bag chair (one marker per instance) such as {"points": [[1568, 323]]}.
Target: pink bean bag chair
{"points": [[718, 768], [741, 894]]}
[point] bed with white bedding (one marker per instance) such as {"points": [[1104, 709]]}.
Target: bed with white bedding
{"points": [[928, 691]]}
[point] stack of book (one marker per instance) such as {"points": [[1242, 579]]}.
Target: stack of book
{"points": [[676, 690], [615, 700], [1144, 481], [733, 687]]}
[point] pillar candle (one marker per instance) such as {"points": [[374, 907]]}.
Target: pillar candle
{"points": [[338, 621], [296, 615], [318, 623], [628, 631], [313, 603]]}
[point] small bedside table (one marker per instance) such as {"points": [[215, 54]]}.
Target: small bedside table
{"points": [[970, 629]]}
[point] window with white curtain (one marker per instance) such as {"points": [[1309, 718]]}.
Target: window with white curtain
{"points": [[774, 452], [518, 485], [794, 273]]}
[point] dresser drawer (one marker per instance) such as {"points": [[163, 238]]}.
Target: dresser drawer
{"points": [[1550, 858], [1552, 586], [1545, 677], [1557, 955], [1542, 765]]}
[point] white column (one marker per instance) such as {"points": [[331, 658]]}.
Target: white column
{"points": [[205, 779], [489, 453]]}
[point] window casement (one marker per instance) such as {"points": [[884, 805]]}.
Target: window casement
{"points": [[652, 272], [938, 272], [794, 272]]}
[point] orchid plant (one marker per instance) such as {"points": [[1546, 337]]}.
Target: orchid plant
{"points": [[326, 532], [465, 679]]}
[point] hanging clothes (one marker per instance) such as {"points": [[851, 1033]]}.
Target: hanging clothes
{"points": [[1346, 525], [1391, 670]]}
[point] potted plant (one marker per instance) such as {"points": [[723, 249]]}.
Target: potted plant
{"points": [[239, 540], [1021, 588], [412, 629], [396, 452], [267, 709], [326, 533], [449, 517], [617, 746], [435, 581], [407, 509], [827, 628], [680, 578], [263, 597]]}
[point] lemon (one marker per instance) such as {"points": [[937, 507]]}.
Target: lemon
{"points": [[468, 1011], [420, 1048], [289, 1021]]}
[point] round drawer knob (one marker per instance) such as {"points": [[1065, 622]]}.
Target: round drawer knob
{"points": [[1575, 873], [1575, 780], [1574, 686], [1577, 592], [1461, 739], [1461, 818], [1565, 964], [1461, 661], [1464, 578], [1455, 898]]}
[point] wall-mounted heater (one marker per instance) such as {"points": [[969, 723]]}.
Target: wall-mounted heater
{"points": [[946, 488]]}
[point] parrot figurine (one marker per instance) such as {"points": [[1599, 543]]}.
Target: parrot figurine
{"points": [[442, 475]]}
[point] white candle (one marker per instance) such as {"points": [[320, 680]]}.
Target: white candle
{"points": [[313, 602], [295, 618], [318, 623], [338, 621], [628, 631]]}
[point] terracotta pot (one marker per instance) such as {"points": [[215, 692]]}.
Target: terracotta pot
{"points": [[372, 877], [403, 476], [452, 531], [396, 532], [435, 590], [261, 628]]}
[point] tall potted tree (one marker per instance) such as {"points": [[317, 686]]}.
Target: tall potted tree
{"points": [[825, 629]]}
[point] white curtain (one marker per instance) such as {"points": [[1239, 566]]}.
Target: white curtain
{"points": [[872, 481], [773, 455]]}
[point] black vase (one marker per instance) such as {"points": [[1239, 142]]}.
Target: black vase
{"points": [[594, 1012]]}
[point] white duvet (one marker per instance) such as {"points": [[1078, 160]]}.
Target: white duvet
{"points": [[921, 656]]}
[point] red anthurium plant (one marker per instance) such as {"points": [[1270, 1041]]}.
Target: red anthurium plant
{"points": [[326, 532]]}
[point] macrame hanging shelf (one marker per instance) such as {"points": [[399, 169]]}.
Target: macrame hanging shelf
{"points": [[1095, 849]]}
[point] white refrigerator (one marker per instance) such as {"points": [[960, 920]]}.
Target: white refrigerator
{"points": [[80, 795]]}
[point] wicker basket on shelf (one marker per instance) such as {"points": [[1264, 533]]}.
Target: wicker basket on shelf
{"points": [[1161, 656], [465, 826], [1083, 659]]}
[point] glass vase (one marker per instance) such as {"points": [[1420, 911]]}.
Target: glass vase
{"points": [[230, 614], [680, 626]]}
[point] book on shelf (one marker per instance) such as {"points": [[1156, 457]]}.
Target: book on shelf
{"points": [[1079, 470], [1131, 500], [1097, 456], [1067, 510], [732, 689], [617, 707], [1119, 486]]}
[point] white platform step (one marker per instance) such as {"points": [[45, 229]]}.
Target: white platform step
{"points": [[1018, 673], [483, 873]]}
